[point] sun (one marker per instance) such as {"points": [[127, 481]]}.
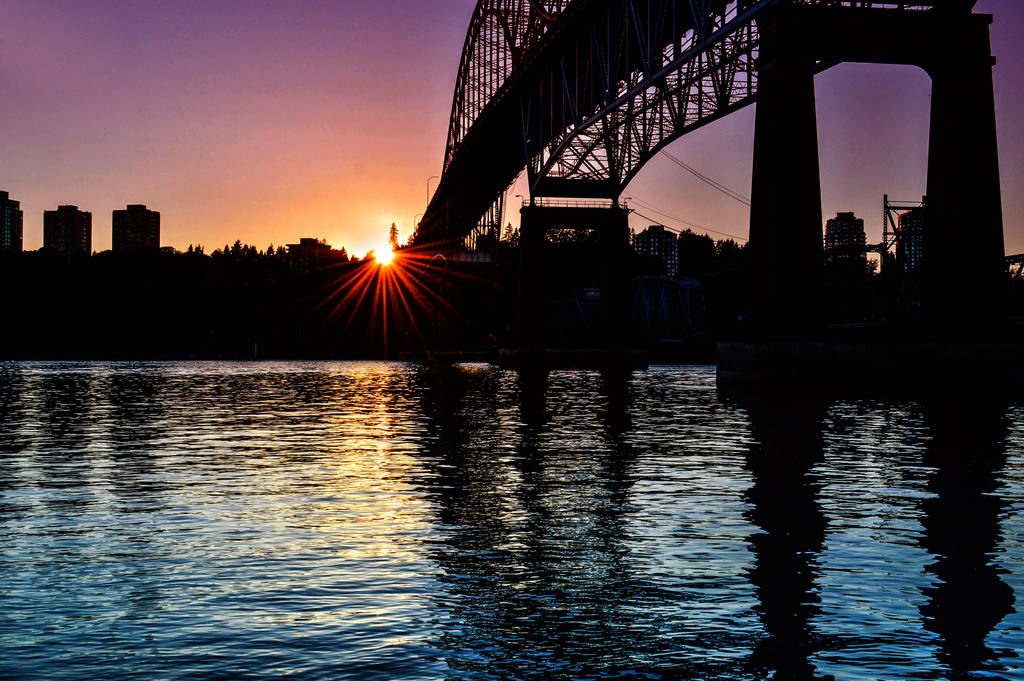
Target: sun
{"points": [[384, 256]]}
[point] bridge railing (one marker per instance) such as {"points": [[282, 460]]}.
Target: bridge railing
{"points": [[874, 4], [571, 203]]}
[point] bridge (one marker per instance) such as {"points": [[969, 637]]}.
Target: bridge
{"points": [[582, 93]]}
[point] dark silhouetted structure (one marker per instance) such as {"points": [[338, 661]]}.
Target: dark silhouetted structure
{"points": [[68, 230], [844, 239], [610, 225], [911, 242], [962, 278], [11, 225], [600, 88], [903, 235], [135, 229], [658, 242], [311, 254]]}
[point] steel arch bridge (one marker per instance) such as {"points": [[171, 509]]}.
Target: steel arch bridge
{"points": [[582, 93]]}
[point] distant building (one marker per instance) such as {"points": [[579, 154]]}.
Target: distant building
{"points": [[311, 254], [910, 242], [135, 229], [844, 239], [11, 223], [68, 230], [660, 243]]}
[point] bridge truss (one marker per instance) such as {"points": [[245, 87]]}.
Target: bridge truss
{"points": [[582, 93]]}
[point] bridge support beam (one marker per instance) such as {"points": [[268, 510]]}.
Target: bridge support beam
{"points": [[785, 213], [531, 299], [611, 225], [616, 284], [963, 250]]}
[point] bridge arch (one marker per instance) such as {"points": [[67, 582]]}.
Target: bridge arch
{"points": [[500, 33]]}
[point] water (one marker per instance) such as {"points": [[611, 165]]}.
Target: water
{"points": [[384, 521]]}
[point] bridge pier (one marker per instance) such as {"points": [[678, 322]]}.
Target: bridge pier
{"points": [[612, 231], [787, 255], [963, 248], [963, 251], [530, 293]]}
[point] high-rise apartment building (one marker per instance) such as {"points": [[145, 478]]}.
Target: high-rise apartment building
{"points": [[11, 225], [135, 228], [68, 230], [844, 239], [910, 241], [660, 243]]}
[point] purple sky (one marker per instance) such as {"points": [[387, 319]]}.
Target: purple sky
{"points": [[266, 121]]}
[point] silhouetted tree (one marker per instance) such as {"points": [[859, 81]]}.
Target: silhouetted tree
{"points": [[696, 255], [510, 236], [393, 236], [729, 255]]}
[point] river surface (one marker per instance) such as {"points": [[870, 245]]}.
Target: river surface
{"points": [[386, 521]]}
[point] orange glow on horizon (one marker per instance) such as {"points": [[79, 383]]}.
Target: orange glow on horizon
{"points": [[406, 289]]}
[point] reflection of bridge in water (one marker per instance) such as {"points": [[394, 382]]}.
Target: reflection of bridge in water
{"points": [[582, 93], [551, 556]]}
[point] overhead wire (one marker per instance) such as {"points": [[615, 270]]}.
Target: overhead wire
{"points": [[715, 184], [680, 220]]}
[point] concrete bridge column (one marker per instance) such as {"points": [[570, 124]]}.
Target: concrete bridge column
{"points": [[530, 296], [963, 250], [611, 225], [785, 215], [616, 291]]}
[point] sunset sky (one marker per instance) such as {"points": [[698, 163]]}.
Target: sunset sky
{"points": [[267, 121]]}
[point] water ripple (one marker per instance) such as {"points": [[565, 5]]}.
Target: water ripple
{"points": [[325, 520]]}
